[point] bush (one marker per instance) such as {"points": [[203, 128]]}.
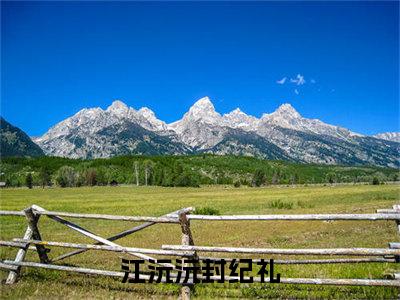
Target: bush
{"points": [[66, 177], [29, 180], [278, 204], [186, 180], [45, 177], [236, 184], [375, 181], [90, 177], [259, 178], [207, 210]]}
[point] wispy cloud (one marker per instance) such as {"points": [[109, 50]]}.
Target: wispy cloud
{"points": [[299, 80], [282, 81]]}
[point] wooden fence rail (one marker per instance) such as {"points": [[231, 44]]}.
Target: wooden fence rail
{"points": [[32, 240], [327, 251]]}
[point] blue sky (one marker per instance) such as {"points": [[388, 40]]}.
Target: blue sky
{"points": [[59, 57]]}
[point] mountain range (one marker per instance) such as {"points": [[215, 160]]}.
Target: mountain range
{"points": [[283, 134]]}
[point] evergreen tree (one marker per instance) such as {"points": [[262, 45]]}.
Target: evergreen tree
{"points": [[259, 178], [29, 180], [44, 177]]}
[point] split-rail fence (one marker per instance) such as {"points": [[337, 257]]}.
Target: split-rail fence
{"points": [[32, 240]]}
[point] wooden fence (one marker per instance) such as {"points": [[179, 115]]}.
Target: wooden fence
{"points": [[32, 240]]}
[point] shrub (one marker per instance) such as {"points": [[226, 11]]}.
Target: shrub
{"points": [[186, 180], [236, 184], [45, 177], [91, 177], [259, 178], [278, 204], [375, 181], [29, 180], [207, 210], [66, 177]]}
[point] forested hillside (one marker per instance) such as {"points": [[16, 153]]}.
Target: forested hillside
{"points": [[15, 142], [180, 171]]}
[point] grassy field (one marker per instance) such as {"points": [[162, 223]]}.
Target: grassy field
{"points": [[155, 201]]}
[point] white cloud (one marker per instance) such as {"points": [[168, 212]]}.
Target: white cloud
{"points": [[296, 91], [282, 81], [299, 80]]}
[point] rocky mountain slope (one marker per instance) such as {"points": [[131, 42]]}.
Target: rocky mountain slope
{"points": [[15, 142], [389, 136], [283, 134]]}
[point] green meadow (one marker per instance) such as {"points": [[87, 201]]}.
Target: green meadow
{"points": [[156, 201]]}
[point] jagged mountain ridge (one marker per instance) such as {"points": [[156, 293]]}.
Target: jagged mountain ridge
{"points": [[283, 134], [97, 133], [389, 136]]}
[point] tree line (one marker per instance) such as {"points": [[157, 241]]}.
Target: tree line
{"points": [[180, 171]]}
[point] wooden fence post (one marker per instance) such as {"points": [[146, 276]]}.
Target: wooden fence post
{"points": [[13, 275], [33, 224], [32, 232], [187, 240]]}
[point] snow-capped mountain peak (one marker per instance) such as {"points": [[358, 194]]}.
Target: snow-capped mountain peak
{"points": [[204, 102], [196, 124], [282, 134], [118, 108], [154, 123], [235, 112], [389, 136], [284, 116], [238, 119], [203, 109], [287, 110], [147, 113]]}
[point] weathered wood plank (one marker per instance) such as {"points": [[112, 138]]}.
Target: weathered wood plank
{"points": [[19, 242], [96, 237], [13, 275], [18, 245], [4, 266], [87, 271], [106, 217], [326, 251], [13, 244], [388, 211], [308, 217], [33, 224], [314, 261], [394, 245], [187, 240], [12, 213], [313, 281], [123, 233]]}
